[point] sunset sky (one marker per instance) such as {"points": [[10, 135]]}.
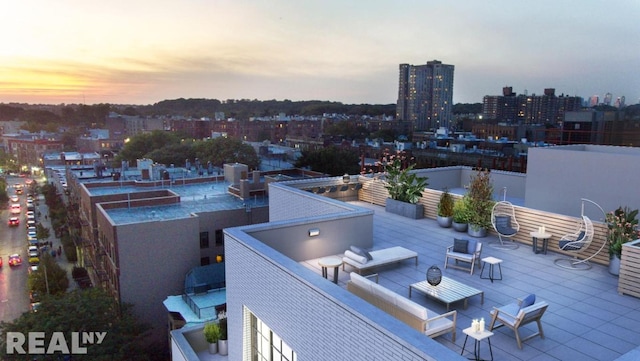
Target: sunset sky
{"points": [[144, 51]]}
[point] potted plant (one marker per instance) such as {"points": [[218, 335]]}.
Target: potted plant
{"points": [[405, 188], [480, 202], [461, 215], [623, 228], [445, 209], [223, 345], [212, 335]]}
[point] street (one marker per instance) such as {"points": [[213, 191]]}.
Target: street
{"points": [[14, 298]]}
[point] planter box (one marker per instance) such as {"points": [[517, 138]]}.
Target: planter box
{"points": [[415, 211], [629, 281]]}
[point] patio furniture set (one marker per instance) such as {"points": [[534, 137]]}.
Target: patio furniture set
{"points": [[447, 291]]}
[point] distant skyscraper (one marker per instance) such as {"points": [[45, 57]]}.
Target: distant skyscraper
{"points": [[607, 99], [425, 94], [593, 101], [619, 102]]}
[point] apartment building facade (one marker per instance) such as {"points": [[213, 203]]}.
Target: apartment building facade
{"points": [[139, 238], [529, 109], [425, 95]]}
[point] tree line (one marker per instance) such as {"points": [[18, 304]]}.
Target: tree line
{"points": [[50, 117]]}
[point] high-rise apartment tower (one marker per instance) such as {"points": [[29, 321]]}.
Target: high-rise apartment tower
{"points": [[425, 95]]}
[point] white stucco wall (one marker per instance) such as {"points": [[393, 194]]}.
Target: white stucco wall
{"points": [[558, 177]]}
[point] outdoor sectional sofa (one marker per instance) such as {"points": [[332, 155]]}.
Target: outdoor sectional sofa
{"points": [[418, 317]]}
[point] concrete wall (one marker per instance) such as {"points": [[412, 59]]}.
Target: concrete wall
{"points": [[341, 224], [153, 258], [337, 234], [458, 177], [558, 177], [290, 203], [299, 305], [186, 342]]}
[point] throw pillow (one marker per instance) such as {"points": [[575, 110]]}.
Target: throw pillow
{"points": [[355, 257], [460, 245], [528, 301], [360, 252], [471, 246]]}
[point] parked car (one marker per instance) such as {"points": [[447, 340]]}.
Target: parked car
{"points": [[34, 297], [15, 260], [14, 199], [33, 252], [35, 306], [14, 221]]}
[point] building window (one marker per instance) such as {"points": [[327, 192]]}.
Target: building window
{"points": [[204, 261], [219, 237], [204, 240], [266, 345]]}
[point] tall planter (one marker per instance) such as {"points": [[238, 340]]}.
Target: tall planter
{"points": [[223, 343], [480, 202], [445, 209], [223, 347], [410, 210], [614, 265]]}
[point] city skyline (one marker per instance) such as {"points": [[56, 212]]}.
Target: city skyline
{"points": [[144, 52]]}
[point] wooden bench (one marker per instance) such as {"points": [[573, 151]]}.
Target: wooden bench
{"points": [[418, 317]]}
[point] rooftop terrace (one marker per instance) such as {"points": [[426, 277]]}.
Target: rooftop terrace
{"points": [[194, 198], [586, 320]]}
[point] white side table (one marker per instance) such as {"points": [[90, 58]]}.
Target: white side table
{"points": [[331, 261], [492, 261], [477, 336]]}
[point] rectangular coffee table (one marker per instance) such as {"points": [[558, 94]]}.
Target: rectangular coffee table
{"points": [[448, 291]]}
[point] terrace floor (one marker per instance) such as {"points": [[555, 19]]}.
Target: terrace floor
{"points": [[586, 319]]}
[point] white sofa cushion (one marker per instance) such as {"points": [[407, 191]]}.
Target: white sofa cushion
{"points": [[411, 307], [362, 282], [384, 293], [355, 257]]}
